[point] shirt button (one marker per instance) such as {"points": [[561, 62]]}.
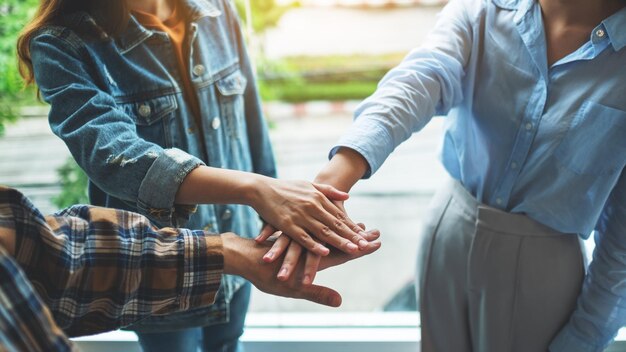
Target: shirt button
{"points": [[227, 214], [529, 126], [198, 70], [144, 110], [216, 123], [513, 165], [499, 201], [600, 33]]}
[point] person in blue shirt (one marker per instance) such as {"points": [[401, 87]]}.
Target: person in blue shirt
{"points": [[156, 101], [534, 99]]}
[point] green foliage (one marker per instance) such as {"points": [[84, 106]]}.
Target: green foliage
{"points": [[265, 13], [13, 16], [73, 185], [299, 79], [294, 93]]}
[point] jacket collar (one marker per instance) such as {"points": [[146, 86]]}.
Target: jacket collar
{"points": [[135, 33]]}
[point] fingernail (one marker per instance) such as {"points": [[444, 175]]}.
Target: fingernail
{"points": [[269, 255], [283, 273], [323, 249], [306, 280], [362, 244], [257, 238], [351, 246]]}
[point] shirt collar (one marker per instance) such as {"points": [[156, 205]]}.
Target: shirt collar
{"points": [[615, 28], [507, 4], [523, 7]]}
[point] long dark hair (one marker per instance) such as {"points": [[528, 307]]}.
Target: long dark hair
{"points": [[110, 15]]}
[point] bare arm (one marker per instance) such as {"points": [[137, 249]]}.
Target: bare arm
{"points": [[300, 209], [343, 170]]}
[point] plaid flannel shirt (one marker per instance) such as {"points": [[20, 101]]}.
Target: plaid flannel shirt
{"points": [[87, 270]]}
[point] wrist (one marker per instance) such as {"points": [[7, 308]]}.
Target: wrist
{"points": [[345, 168], [250, 188], [232, 252], [239, 255]]}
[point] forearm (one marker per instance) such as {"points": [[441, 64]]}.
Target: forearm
{"points": [[344, 169], [209, 185], [238, 254], [75, 262]]}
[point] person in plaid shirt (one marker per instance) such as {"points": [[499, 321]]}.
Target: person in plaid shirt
{"points": [[87, 270]]}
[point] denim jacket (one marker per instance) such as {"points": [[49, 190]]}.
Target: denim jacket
{"points": [[118, 104]]}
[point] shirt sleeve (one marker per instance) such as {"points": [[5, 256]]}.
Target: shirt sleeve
{"points": [[100, 135], [25, 322], [100, 269], [427, 82], [601, 307]]}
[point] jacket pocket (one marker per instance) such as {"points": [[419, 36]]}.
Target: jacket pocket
{"points": [[151, 116], [231, 89], [595, 143]]}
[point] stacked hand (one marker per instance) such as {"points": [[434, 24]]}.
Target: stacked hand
{"points": [[243, 257], [341, 236]]}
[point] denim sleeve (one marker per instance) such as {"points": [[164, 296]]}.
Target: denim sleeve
{"points": [[100, 136], [427, 82], [601, 307], [258, 136]]}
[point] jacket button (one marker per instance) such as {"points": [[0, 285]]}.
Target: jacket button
{"points": [[144, 110], [227, 214], [216, 123], [198, 70]]}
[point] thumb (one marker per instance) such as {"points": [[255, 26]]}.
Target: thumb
{"points": [[331, 192], [267, 231], [321, 295]]}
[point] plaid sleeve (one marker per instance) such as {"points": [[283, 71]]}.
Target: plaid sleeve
{"points": [[25, 322], [101, 269]]}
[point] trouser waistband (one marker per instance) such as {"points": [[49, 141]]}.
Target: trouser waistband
{"points": [[496, 219]]}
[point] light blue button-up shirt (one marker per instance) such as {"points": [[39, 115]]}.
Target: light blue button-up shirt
{"points": [[546, 141]]}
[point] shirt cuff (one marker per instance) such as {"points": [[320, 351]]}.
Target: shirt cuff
{"points": [[370, 140], [567, 341], [203, 269], [160, 185]]}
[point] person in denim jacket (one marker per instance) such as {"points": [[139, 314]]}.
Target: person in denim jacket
{"points": [[156, 101]]}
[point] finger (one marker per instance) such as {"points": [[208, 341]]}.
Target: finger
{"points": [[372, 235], [266, 232], [278, 248], [341, 214], [303, 238], [337, 221], [311, 264], [325, 234], [331, 192], [361, 225], [321, 295], [337, 258], [290, 262]]}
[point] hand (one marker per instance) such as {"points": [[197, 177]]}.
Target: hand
{"points": [[300, 208], [244, 257], [293, 253]]}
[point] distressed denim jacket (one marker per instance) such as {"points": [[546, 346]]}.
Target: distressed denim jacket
{"points": [[118, 104]]}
